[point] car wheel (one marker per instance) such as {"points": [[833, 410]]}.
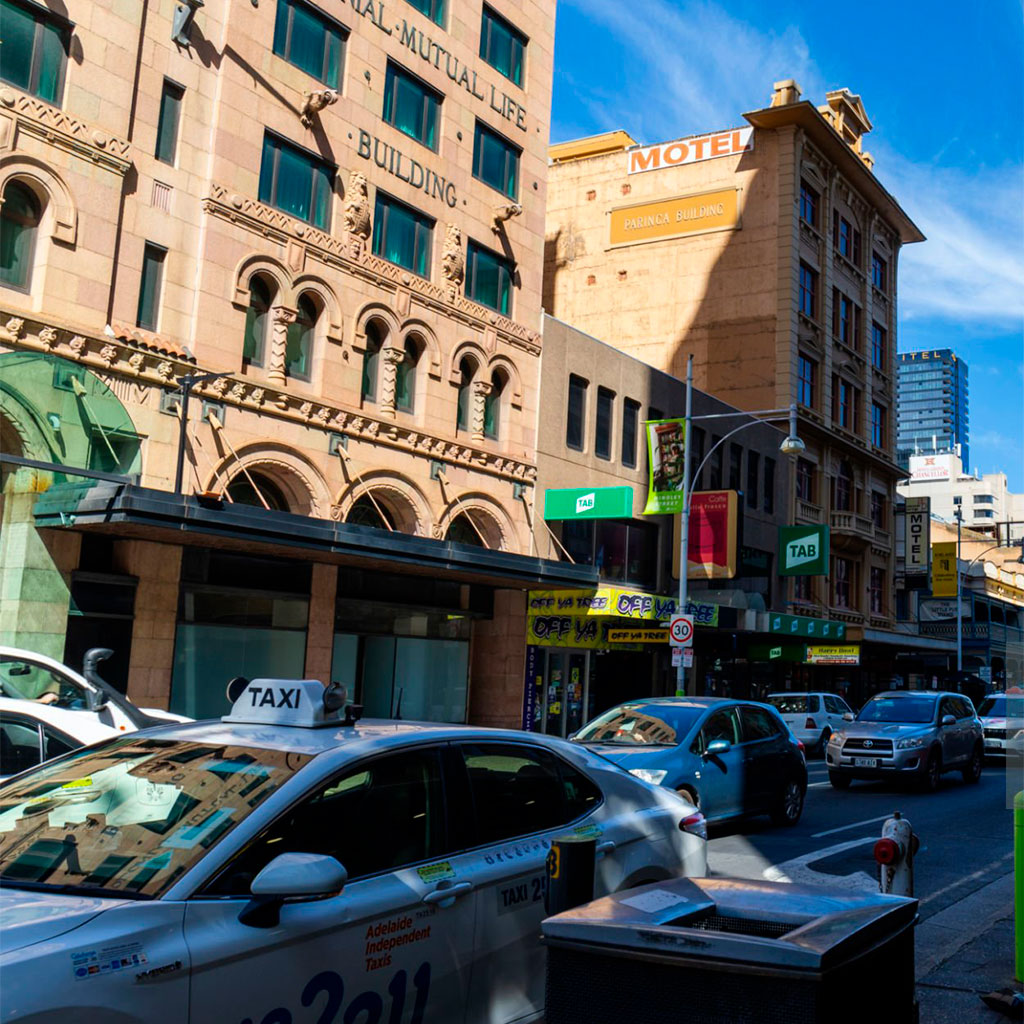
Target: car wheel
{"points": [[826, 734], [972, 773], [839, 781], [789, 804], [932, 772]]}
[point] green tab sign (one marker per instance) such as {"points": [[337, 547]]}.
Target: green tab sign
{"points": [[801, 625], [588, 503], [803, 550]]}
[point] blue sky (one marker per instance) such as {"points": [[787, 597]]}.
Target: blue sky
{"points": [[944, 87]]}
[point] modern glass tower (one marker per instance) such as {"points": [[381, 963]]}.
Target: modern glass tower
{"points": [[931, 410]]}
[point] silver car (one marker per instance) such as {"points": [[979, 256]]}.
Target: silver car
{"points": [[916, 734], [1002, 717]]}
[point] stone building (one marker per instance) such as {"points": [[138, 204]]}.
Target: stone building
{"points": [[768, 252], [330, 219]]}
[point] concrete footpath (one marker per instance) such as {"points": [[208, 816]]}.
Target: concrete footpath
{"points": [[964, 952]]}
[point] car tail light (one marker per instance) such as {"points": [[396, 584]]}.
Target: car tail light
{"points": [[810, 724], [695, 824]]}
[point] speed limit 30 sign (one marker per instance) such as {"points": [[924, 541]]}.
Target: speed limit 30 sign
{"points": [[680, 631]]}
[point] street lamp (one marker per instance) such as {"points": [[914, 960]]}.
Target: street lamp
{"points": [[185, 385], [791, 445]]}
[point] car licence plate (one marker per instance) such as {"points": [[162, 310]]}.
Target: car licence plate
{"points": [[993, 745], [865, 762]]}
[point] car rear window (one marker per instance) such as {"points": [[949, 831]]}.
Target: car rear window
{"points": [[127, 818], [796, 703], [642, 725], [1001, 706], [910, 708]]}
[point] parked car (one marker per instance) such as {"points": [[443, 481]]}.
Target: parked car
{"points": [[911, 734], [728, 757], [1002, 718], [811, 717], [285, 860]]}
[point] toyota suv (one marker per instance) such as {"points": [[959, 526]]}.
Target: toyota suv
{"points": [[917, 735]]}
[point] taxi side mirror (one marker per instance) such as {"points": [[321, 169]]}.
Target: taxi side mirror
{"points": [[295, 877], [717, 747], [848, 717], [948, 720]]}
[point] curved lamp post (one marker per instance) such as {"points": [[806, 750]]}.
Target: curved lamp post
{"points": [[791, 446]]}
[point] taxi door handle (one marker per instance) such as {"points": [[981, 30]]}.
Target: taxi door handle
{"points": [[606, 847], [440, 895]]}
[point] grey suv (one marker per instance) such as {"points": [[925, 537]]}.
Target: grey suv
{"points": [[916, 734]]}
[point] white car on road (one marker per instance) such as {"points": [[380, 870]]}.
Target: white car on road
{"points": [[285, 865], [811, 717], [1002, 718]]}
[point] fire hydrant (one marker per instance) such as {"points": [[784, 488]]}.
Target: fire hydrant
{"points": [[894, 853]]}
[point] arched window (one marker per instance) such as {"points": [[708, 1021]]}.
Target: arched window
{"points": [[257, 318], [844, 488], [19, 225], [375, 335], [405, 381], [467, 371], [462, 531], [365, 513], [492, 405], [298, 359], [242, 492]]}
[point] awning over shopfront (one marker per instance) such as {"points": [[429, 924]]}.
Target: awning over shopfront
{"points": [[132, 511]]}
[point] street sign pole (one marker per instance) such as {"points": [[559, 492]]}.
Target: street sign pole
{"points": [[684, 539]]}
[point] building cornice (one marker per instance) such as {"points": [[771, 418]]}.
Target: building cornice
{"points": [[125, 364], [806, 116], [57, 128], [446, 301]]}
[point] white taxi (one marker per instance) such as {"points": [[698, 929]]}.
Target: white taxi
{"points": [[286, 865]]}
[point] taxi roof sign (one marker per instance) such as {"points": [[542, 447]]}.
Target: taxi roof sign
{"points": [[305, 703]]}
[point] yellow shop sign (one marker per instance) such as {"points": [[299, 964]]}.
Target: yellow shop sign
{"points": [[638, 636], [671, 218]]}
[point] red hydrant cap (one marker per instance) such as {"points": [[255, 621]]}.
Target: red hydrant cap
{"points": [[887, 851]]}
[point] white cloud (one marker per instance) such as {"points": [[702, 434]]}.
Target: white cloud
{"points": [[701, 68]]}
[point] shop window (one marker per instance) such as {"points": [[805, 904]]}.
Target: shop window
{"points": [[402, 235], [433, 9], [769, 485], [257, 321], [366, 511], [575, 413], [809, 199], [167, 125], [467, 372], [502, 45], [753, 479], [805, 480], [411, 106], [623, 550], [630, 424], [462, 531], [150, 285], [35, 46], [488, 278], [496, 161], [298, 358], [603, 423], [303, 36], [578, 540], [375, 335], [248, 488], [19, 228], [808, 298], [295, 181], [492, 405], [405, 378]]}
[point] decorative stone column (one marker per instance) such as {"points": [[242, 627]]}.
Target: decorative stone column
{"points": [[391, 357], [281, 319], [481, 389]]}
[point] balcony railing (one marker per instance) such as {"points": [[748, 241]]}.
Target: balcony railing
{"points": [[808, 511], [852, 525]]}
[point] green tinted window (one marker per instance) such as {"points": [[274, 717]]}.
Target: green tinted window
{"points": [[433, 9], [307, 39], [411, 106], [402, 235], [495, 161], [295, 181], [488, 278], [167, 129], [149, 286], [502, 46], [19, 224], [32, 51]]}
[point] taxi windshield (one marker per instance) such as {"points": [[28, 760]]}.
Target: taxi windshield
{"points": [[129, 817], [898, 709], [641, 725]]}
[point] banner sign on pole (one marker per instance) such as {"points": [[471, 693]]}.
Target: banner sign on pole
{"points": [[713, 549], [666, 450], [944, 569], [917, 537]]}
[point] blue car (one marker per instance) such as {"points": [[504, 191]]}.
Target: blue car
{"points": [[727, 757]]}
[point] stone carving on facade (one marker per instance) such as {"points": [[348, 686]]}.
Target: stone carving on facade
{"points": [[480, 390], [257, 395], [314, 102], [237, 393], [48, 337], [77, 345], [389, 377], [453, 261], [219, 386], [165, 371], [13, 328], [108, 354], [357, 214], [136, 361], [306, 409], [282, 318]]}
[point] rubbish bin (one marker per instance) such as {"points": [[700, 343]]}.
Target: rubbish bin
{"points": [[715, 950]]}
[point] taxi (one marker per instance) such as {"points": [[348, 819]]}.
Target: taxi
{"points": [[290, 863]]}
